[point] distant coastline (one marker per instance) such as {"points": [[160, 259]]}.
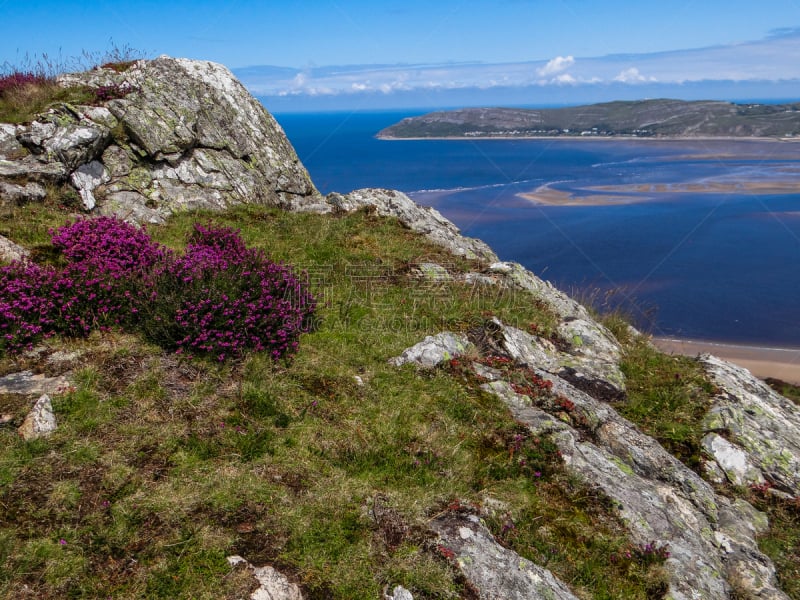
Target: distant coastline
{"points": [[644, 119], [597, 138]]}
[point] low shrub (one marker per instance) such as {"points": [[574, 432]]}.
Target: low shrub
{"points": [[220, 298], [109, 245], [26, 306], [18, 79]]}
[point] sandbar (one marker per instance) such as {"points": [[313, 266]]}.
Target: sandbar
{"points": [[772, 187], [780, 363], [545, 194], [632, 193]]}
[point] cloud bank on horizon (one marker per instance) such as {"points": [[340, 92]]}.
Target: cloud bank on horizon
{"points": [[773, 59]]}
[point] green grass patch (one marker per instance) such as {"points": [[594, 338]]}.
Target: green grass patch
{"points": [[782, 542], [162, 466], [22, 104], [667, 397]]}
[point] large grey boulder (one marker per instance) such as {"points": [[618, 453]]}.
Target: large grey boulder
{"points": [[211, 143], [180, 134]]}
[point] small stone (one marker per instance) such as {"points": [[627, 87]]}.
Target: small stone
{"points": [[433, 350], [40, 422], [399, 593], [27, 383], [9, 251], [273, 585]]}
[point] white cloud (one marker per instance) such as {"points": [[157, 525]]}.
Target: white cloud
{"points": [[771, 59], [632, 75], [556, 65]]}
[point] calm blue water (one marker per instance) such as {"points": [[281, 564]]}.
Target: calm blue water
{"points": [[717, 266]]}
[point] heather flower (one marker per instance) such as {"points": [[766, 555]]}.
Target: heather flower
{"points": [[27, 308], [219, 299], [108, 244], [222, 298], [20, 79]]}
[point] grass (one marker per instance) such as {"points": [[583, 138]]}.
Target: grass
{"points": [[21, 104], [161, 467], [782, 542], [667, 397]]}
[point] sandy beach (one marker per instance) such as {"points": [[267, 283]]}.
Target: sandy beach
{"points": [[780, 363]]}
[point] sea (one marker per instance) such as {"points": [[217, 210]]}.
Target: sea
{"points": [[692, 239]]}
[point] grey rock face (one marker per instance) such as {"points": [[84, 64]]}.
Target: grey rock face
{"points": [[12, 194], [216, 145], [86, 178], [495, 572], [564, 306], [762, 427], [185, 134]]}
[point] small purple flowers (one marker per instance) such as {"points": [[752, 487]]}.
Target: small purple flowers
{"points": [[19, 79], [220, 298]]}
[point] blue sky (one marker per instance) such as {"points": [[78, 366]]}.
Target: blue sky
{"points": [[439, 51]]}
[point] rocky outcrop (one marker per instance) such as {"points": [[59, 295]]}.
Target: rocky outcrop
{"points": [[711, 539], [761, 430], [497, 573], [178, 134], [425, 220]]}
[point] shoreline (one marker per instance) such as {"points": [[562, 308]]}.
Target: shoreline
{"points": [[763, 362], [596, 138]]}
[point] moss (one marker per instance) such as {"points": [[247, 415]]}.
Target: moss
{"points": [[623, 466]]}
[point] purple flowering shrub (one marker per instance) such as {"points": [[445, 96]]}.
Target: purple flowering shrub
{"points": [[26, 307], [18, 79], [222, 298], [219, 299], [110, 245]]}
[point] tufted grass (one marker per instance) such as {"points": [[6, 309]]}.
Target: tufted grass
{"points": [[326, 467], [22, 104], [667, 397]]}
